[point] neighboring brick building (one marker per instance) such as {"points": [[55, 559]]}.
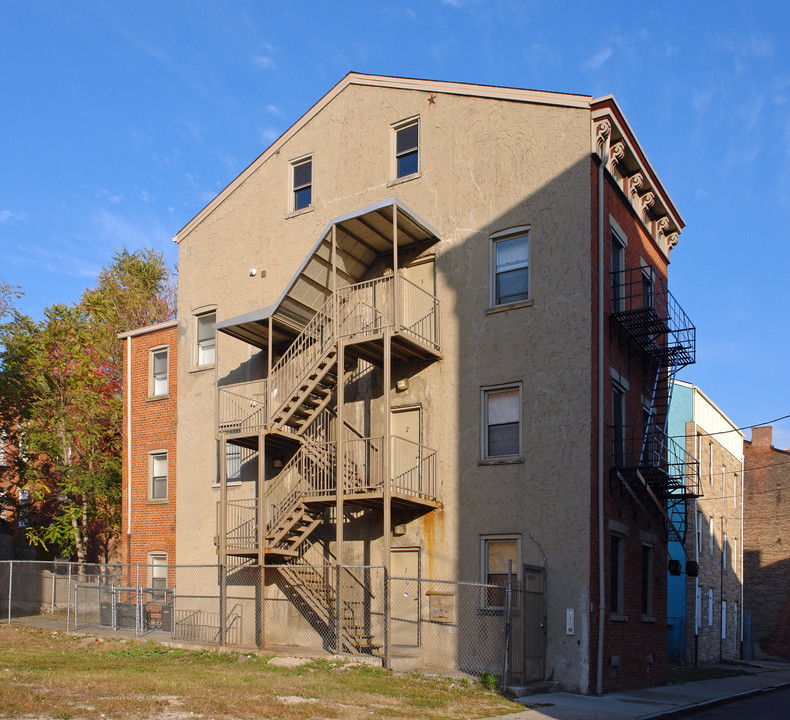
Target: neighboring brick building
{"points": [[767, 543], [705, 611], [149, 449]]}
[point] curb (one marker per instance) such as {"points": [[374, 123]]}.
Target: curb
{"points": [[715, 702]]}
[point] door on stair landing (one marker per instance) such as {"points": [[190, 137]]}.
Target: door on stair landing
{"points": [[405, 589], [405, 449], [416, 307]]}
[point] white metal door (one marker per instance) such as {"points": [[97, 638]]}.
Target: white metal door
{"points": [[405, 596]]}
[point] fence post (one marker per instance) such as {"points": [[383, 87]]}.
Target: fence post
{"points": [[386, 618], [138, 604], [54, 574], [68, 603], [10, 587], [338, 615], [508, 609]]}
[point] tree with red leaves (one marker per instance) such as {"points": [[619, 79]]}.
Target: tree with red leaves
{"points": [[61, 401]]}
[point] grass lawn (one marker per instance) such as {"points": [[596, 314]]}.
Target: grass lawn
{"points": [[49, 674]]}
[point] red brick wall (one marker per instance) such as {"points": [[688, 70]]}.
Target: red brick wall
{"points": [[628, 637], [766, 534], [151, 527]]}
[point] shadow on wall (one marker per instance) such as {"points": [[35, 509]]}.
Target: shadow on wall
{"points": [[767, 595]]}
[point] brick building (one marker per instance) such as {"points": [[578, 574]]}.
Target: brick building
{"points": [[149, 450], [705, 610], [440, 312], [767, 537]]}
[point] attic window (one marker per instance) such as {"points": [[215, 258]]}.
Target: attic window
{"points": [[302, 183], [407, 159]]}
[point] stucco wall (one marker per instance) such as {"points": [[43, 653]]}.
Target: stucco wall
{"points": [[486, 165]]}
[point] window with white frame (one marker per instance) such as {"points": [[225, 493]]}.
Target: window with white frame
{"points": [[157, 574], [710, 462], [724, 551], [509, 266], [699, 534], [233, 462], [498, 555], [157, 464], [501, 421], [723, 619], [710, 607], [302, 183], [616, 574], [647, 287], [159, 372], [734, 561], [206, 338], [407, 148], [710, 533]]}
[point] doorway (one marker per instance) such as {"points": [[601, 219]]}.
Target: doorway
{"points": [[405, 601], [406, 449]]}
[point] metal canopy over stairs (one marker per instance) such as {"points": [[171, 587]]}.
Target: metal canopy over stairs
{"points": [[347, 302]]}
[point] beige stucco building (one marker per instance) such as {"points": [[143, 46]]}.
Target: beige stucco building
{"points": [[426, 282]]}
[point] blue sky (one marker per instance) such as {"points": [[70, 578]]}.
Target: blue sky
{"points": [[121, 120]]}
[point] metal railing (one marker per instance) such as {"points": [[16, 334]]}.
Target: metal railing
{"points": [[414, 469], [242, 407], [419, 313], [650, 314], [651, 451]]}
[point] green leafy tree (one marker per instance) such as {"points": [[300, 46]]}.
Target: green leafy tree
{"points": [[61, 390]]}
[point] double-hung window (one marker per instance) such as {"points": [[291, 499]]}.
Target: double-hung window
{"points": [[206, 338], [618, 426], [647, 580], [159, 384], [157, 574], [499, 555], [510, 267], [158, 475], [407, 148], [302, 183], [618, 274], [616, 574], [501, 422]]}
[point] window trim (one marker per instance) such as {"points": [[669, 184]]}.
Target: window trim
{"points": [[619, 391], [293, 188], [485, 456], [153, 572], [197, 315], [648, 590], [484, 540], [396, 128], [151, 495], [152, 375], [618, 283], [494, 239]]}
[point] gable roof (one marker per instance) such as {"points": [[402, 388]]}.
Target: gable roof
{"points": [[436, 86]]}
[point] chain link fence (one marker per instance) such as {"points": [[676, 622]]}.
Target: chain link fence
{"points": [[409, 623]]}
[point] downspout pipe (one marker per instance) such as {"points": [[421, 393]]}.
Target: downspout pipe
{"points": [[601, 550], [129, 448]]}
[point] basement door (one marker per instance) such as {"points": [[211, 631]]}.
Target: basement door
{"points": [[405, 588], [405, 449], [528, 628]]}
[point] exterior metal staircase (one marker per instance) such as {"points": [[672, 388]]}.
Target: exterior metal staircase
{"points": [[651, 467]]}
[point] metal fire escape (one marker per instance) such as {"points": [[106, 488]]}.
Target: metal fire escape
{"points": [[347, 304], [652, 467]]}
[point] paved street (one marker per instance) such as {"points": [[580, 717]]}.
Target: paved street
{"points": [[765, 706]]}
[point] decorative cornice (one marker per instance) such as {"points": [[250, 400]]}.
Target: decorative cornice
{"points": [[672, 239], [602, 133], [635, 183], [616, 154], [646, 202]]}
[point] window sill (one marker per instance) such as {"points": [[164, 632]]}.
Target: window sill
{"points": [[201, 368], [509, 306], [232, 483], [616, 617], [648, 619], [405, 178], [297, 213], [154, 398], [502, 461], [162, 501]]}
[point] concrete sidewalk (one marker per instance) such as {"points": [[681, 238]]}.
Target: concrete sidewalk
{"points": [[668, 701]]}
